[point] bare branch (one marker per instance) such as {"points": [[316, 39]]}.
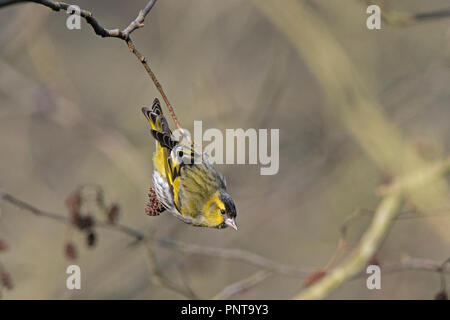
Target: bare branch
{"points": [[445, 13], [160, 279], [383, 218], [353, 102], [158, 86], [66, 220], [268, 266], [417, 264], [235, 254], [139, 21], [242, 285], [112, 33], [87, 15], [187, 248], [32, 209], [402, 19], [418, 178], [57, 6]]}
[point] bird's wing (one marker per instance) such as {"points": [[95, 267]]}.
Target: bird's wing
{"points": [[161, 132], [194, 187]]}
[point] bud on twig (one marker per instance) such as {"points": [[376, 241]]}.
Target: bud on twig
{"points": [[73, 203], [84, 222], [70, 251]]}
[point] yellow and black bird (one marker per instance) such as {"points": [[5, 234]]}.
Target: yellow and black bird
{"points": [[185, 182]]}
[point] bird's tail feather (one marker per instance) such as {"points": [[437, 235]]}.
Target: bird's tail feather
{"points": [[160, 128]]}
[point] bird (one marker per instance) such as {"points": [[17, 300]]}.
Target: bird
{"points": [[185, 182]]}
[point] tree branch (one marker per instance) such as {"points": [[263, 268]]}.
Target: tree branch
{"points": [[355, 105], [160, 279], [235, 254], [403, 19], [66, 220], [266, 265], [242, 285], [383, 219], [87, 15], [187, 248], [384, 216], [112, 33], [416, 264]]}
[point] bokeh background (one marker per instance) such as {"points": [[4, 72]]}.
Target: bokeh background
{"points": [[70, 115]]}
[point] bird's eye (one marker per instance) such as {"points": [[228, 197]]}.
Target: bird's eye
{"points": [[222, 211], [180, 154]]}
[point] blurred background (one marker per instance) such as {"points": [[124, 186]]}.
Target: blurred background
{"points": [[70, 115]]}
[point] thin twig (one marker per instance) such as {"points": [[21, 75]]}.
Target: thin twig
{"points": [[242, 285], [187, 248], [184, 279], [441, 271], [438, 14], [112, 33], [159, 278], [407, 264], [340, 249], [415, 264], [383, 219], [420, 177], [158, 86], [88, 16], [353, 102], [139, 21], [250, 258], [235, 254], [32, 209], [66, 220], [403, 19]]}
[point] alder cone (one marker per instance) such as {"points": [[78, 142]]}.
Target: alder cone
{"points": [[154, 207], [70, 251]]}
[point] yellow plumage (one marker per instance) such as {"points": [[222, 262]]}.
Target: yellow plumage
{"points": [[186, 183]]}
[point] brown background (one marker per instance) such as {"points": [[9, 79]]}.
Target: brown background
{"points": [[70, 115]]}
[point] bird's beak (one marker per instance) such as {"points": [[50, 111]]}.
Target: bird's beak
{"points": [[231, 222]]}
